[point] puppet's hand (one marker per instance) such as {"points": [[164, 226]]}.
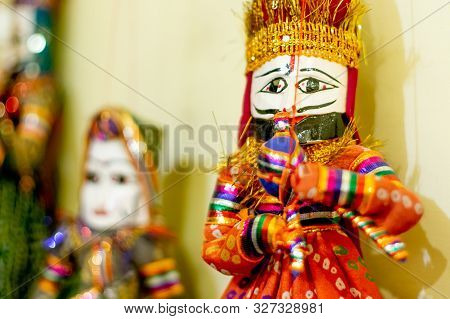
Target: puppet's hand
{"points": [[366, 196], [275, 167], [295, 244], [389, 203], [285, 236], [266, 233], [278, 158], [305, 179]]}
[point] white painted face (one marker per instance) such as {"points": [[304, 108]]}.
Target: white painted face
{"points": [[111, 195], [316, 86]]}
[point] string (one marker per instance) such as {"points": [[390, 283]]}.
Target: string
{"points": [[112, 46], [134, 47], [297, 71], [247, 125], [299, 263]]}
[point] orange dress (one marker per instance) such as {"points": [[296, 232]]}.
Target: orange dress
{"points": [[334, 268]]}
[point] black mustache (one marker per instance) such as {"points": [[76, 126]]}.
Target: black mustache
{"points": [[309, 130]]}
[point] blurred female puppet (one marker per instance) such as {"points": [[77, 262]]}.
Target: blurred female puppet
{"points": [[118, 245]]}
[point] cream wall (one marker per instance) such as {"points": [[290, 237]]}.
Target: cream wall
{"points": [[188, 58]]}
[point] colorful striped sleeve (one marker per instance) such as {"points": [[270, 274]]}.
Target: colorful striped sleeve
{"points": [[49, 283], [379, 194], [161, 279], [226, 247], [258, 234], [371, 162], [224, 207]]}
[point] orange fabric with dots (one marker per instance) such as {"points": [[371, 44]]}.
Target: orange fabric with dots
{"points": [[333, 269], [225, 253]]}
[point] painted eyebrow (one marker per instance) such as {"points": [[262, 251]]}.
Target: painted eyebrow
{"points": [[320, 71], [268, 72]]}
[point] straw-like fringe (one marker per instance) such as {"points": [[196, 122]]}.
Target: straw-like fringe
{"points": [[246, 156], [291, 10], [245, 161], [372, 143]]}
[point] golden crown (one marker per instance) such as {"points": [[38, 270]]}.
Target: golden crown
{"points": [[327, 29]]}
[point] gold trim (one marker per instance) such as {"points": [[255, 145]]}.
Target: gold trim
{"points": [[362, 157], [222, 221], [317, 228], [315, 215], [311, 28], [303, 38]]}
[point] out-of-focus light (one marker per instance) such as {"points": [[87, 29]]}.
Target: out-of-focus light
{"points": [[49, 243], [59, 237], [19, 89], [36, 43], [12, 104], [2, 109], [97, 259], [85, 231], [7, 127], [32, 70]]}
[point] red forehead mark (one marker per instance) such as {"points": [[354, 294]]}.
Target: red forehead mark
{"points": [[292, 63]]}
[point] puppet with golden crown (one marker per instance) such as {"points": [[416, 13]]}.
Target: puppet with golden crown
{"points": [[117, 246], [286, 210]]}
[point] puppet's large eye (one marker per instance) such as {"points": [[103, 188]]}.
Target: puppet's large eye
{"points": [[275, 86], [313, 85], [120, 179], [92, 177]]}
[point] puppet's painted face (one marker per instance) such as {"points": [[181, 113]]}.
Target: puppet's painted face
{"points": [[111, 195], [317, 88]]}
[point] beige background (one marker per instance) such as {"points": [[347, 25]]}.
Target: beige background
{"points": [[188, 57]]}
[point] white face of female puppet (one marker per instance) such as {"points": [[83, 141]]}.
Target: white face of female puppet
{"points": [[316, 86], [111, 195]]}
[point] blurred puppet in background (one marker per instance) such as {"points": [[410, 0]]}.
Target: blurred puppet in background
{"points": [[29, 113], [118, 246], [286, 210]]}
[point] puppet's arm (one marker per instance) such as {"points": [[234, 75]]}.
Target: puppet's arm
{"points": [[234, 242], [49, 284], [369, 187], [159, 275]]}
